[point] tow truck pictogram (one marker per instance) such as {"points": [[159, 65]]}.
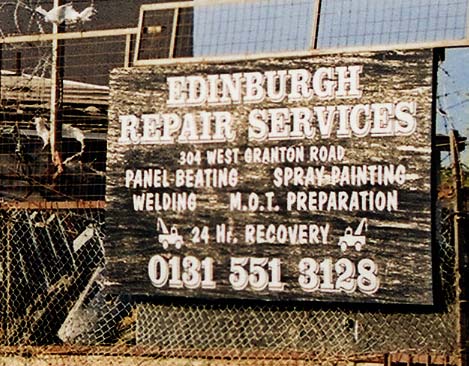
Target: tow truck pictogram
{"points": [[168, 237], [354, 239]]}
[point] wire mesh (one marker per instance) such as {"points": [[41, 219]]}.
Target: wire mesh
{"points": [[269, 26], [254, 26], [333, 332], [26, 169], [42, 274], [345, 23], [52, 296]]}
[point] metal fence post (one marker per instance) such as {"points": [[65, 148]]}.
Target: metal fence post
{"points": [[461, 254], [57, 74]]}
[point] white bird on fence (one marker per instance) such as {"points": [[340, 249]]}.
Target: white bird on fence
{"points": [[42, 130], [67, 131], [56, 15], [66, 13], [75, 133], [87, 13]]}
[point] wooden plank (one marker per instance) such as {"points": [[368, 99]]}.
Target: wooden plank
{"points": [[315, 52], [139, 35], [111, 354], [387, 360], [433, 358], [128, 40], [400, 239], [114, 355], [68, 35], [39, 88], [172, 43]]}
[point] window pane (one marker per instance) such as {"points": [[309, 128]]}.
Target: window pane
{"points": [[252, 27], [347, 23]]}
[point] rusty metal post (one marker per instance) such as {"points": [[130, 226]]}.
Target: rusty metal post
{"points": [[56, 98], [461, 253]]}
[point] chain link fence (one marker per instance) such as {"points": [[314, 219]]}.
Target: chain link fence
{"points": [[52, 295], [54, 308]]}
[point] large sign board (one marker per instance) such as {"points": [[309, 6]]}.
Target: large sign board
{"points": [[284, 179]]}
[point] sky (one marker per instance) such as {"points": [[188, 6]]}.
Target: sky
{"points": [[453, 95], [252, 27]]}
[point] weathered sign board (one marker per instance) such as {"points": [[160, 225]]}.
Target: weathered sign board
{"points": [[283, 179]]}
